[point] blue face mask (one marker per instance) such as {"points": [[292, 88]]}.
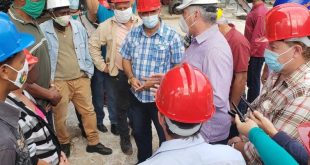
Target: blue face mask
{"points": [[271, 59], [150, 21]]}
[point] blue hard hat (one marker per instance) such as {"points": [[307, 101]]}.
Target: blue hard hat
{"points": [[11, 40], [301, 2]]}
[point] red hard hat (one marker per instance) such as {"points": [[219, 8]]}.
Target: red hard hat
{"points": [[118, 1], [185, 95], [285, 21], [147, 5]]}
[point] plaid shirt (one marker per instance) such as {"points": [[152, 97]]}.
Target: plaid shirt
{"points": [[286, 104], [150, 55]]}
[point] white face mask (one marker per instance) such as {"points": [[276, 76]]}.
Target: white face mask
{"points": [[183, 25], [123, 16], [63, 20], [150, 21], [21, 75]]}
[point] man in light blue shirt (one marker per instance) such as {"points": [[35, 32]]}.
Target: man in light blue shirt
{"points": [[185, 100], [148, 49]]}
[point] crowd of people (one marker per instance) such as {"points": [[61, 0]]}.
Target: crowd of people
{"points": [[201, 91]]}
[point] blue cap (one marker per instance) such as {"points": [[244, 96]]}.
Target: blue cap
{"points": [[12, 41], [301, 2]]}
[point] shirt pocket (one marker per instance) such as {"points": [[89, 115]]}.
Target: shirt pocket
{"points": [[136, 50], [160, 53]]}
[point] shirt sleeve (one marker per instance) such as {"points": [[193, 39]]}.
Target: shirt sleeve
{"points": [[177, 50], [258, 48], [125, 48], [98, 39], [8, 157], [269, 151], [241, 56], [296, 149]]}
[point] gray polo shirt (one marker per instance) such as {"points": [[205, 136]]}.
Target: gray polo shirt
{"points": [[13, 149]]}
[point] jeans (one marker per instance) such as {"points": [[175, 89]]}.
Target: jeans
{"points": [[121, 90], [98, 86], [254, 75], [142, 116]]}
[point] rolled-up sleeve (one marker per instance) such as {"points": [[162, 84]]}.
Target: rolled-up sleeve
{"points": [[177, 50]]}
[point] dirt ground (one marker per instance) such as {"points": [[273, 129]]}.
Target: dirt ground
{"points": [[79, 156]]}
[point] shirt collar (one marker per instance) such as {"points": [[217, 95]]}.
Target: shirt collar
{"points": [[297, 75], [17, 17], [257, 6], [206, 35], [134, 18], [177, 144], [9, 114], [51, 28]]}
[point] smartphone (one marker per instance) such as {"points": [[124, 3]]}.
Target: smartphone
{"points": [[242, 119], [247, 103]]}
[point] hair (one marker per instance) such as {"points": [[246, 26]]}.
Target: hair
{"points": [[306, 50], [208, 12], [182, 126]]}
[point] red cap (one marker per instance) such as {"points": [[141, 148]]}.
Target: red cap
{"points": [[185, 95], [30, 58], [304, 133], [147, 5], [119, 1], [104, 3], [285, 21]]}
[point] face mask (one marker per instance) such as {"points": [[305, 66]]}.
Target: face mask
{"points": [[75, 17], [34, 9], [183, 25], [63, 20], [150, 21], [21, 75], [271, 59], [123, 16]]}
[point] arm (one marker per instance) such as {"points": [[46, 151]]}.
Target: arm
{"points": [[258, 32], [296, 149], [269, 151], [8, 157], [39, 92], [238, 87], [92, 6], [98, 39]]}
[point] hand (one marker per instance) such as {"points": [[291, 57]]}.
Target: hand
{"points": [[106, 69], [135, 84], [48, 107], [154, 90], [264, 123], [244, 127], [63, 159], [54, 97]]}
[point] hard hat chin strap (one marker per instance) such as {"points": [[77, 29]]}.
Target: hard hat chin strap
{"points": [[179, 131]]}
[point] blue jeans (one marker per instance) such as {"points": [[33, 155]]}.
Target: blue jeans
{"points": [[254, 75], [100, 85], [142, 116]]}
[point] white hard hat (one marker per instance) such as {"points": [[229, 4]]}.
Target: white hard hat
{"points": [[52, 4], [187, 3]]}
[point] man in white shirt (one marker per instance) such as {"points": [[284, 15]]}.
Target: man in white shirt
{"points": [[185, 100]]}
